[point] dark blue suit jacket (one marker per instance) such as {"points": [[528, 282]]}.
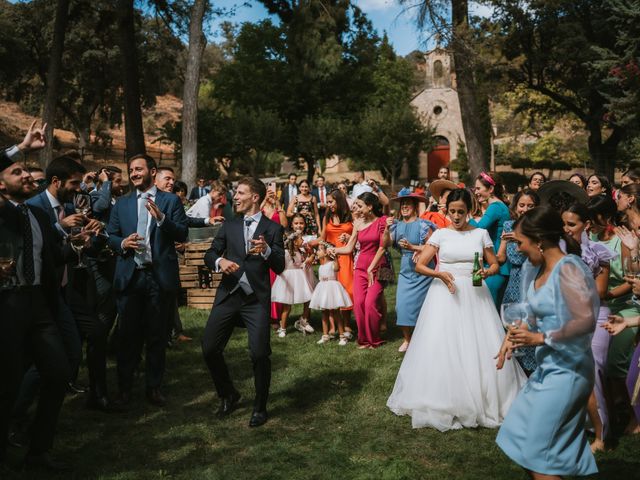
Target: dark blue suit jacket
{"points": [[229, 243], [42, 202], [124, 221]]}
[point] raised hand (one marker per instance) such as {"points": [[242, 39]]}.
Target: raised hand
{"points": [[153, 209], [35, 138], [628, 238]]}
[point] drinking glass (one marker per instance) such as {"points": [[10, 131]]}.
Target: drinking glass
{"points": [[77, 245], [7, 264], [82, 203], [512, 315]]}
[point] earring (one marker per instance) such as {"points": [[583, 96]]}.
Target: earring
{"points": [[540, 249]]}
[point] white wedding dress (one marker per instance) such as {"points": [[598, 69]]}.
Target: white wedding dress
{"points": [[448, 378]]}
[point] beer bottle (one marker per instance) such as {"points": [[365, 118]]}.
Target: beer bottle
{"points": [[476, 278]]}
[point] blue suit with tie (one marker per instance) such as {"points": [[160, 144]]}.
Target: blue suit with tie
{"points": [[145, 290]]}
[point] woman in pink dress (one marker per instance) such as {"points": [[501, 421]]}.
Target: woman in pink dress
{"points": [[272, 209], [371, 265]]}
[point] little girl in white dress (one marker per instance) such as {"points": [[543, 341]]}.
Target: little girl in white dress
{"points": [[296, 283], [329, 295]]}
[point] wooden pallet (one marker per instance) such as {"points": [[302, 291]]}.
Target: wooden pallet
{"points": [[197, 297]]}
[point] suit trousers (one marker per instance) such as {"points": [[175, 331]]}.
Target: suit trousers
{"points": [[29, 334], [142, 310], [224, 316], [72, 342]]}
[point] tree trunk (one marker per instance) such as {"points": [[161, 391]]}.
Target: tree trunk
{"points": [[197, 43], [603, 154], [53, 78], [134, 133], [467, 90]]}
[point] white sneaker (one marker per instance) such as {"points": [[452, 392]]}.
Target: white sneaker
{"points": [[348, 335], [303, 325], [282, 332], [343, 341], [324, 339]]}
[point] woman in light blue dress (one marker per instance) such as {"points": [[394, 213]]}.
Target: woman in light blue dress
{"points": [[408, 235], [544, 431], [488, 191]]}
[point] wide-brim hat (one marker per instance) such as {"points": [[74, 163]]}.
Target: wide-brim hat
{"points": [[438, 186], [405, 193], [550, 188]]}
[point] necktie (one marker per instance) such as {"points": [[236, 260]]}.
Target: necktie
{"points": [[143, 221], [28, 268], [322, 196], [60, 212], [247, 229]]}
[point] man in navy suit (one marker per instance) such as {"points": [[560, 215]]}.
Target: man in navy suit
{"points": [[244, 250], [28, 309], [143, 228], [199, 190]]}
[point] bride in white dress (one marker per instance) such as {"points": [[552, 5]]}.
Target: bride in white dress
{"points": [[448, 378]]}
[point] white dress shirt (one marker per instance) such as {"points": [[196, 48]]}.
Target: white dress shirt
{"points": [[147, 238], [201, 209], [293, 191], [56, 205]]}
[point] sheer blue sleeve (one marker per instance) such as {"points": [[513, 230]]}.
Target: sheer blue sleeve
{"points": [[576, 304], [426, 228]]}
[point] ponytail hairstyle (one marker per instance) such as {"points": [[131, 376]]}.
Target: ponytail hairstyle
{"points": [[492, 179], [544, 225], [581, 210], [371, 200], [602, 207], [633, 174], [461, 194]]}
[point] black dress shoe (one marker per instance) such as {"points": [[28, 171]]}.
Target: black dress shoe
{"points": [[75, 388], [155, 397], [45, 462], [258, 419], [122, 400], [228, 404]]}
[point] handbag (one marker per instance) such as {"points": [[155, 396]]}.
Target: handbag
{"points": [[385, 272]]}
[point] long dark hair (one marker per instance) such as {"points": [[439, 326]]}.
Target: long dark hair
{"points": [[545, 225], [582, 178], [527, 192], [604, 181], [343, 211], [580, 210], [603, 206], [371, 200]]}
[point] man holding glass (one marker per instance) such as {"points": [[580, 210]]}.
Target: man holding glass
{"points": [[28, 304], [143, 228]]}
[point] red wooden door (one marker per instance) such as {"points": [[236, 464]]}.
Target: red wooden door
{"points": [[438, 157]]}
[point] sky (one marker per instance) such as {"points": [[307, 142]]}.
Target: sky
{"points": [[386, 15]]}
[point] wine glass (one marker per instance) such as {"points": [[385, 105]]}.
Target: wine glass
{"points": [[7, 264], [77, 241], [82, 203], [512, 315]]}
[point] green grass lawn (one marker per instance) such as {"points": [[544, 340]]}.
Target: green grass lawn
{"points": [[328, 420]]}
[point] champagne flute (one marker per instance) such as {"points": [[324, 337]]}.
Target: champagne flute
{"points": [[512, 315], [82, 203], [7, 264], [77, 241]]}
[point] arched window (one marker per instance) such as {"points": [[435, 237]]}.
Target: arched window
{"points": [[438, 74]]}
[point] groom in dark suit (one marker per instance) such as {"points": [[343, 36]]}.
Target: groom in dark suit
{"points": [[142, 229], [244, 250]]}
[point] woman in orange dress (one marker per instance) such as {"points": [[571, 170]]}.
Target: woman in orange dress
{"points": [[337, 227]]}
